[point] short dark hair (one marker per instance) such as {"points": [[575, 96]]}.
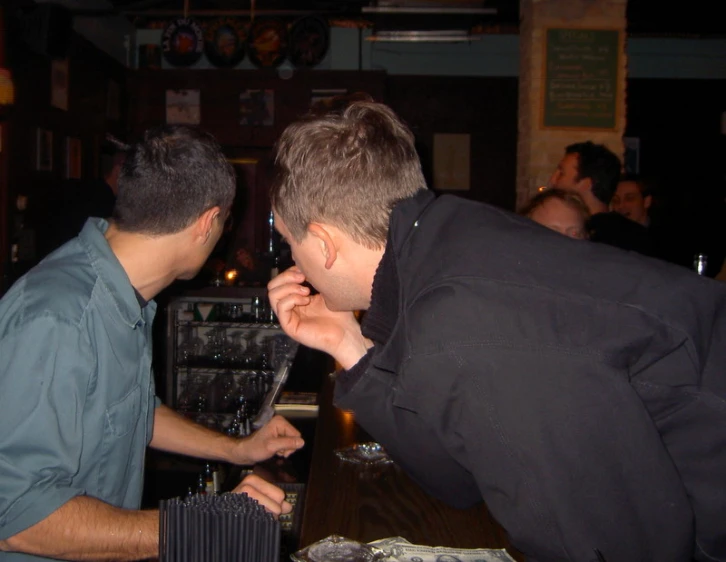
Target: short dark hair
{"points": [[597, 162], [644, 186], [170, 178]]}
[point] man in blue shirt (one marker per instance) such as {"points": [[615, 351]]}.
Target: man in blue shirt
{"points": [[77, 400]]}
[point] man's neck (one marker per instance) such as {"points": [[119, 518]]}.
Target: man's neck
{"points": [[594, 205], [147, 260]]}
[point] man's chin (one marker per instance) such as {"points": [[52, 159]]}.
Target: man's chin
{"points": [[331, 306], [187, 275]]}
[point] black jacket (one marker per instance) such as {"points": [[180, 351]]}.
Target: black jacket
{"points": [[576, 388], [616, 230]]}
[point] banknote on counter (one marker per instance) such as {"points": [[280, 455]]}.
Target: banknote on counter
{"points": [[393, 549], [399, 549]]}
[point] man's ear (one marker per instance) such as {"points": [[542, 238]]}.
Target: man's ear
{"points": [[204, 225], [325, 239], [647, 201], [585, 184]]}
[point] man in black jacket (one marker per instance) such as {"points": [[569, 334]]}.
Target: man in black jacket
{"points": [[580, 391], [592, 171]]}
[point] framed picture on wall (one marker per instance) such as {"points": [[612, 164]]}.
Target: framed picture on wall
{"points": [[183, 107], [44, 150], [451, 162], [322, 98], [257, 107], [74, 154], [59, 84]]}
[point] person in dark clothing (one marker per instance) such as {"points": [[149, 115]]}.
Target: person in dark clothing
{"points": [[97, 198], [592, 171], [81, 200], [579, 390], [635, 200]]}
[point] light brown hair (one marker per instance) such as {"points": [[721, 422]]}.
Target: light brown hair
{"points": [[571, 199], [346, 168]]}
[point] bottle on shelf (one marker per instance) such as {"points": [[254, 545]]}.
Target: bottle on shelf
{"points": [[208, 479], [700, 263], [217, 479], [273, 247]]}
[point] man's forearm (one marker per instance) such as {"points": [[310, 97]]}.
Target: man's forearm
{"points": [[176, 434], [85, 528]]}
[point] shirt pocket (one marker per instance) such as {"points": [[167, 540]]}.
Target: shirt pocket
{"points": [[119, 454]]}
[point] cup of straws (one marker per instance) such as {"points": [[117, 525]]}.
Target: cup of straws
{"points": [[217, 528]]}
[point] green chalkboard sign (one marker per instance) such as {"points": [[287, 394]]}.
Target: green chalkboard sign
{"points": [[581, 79]]}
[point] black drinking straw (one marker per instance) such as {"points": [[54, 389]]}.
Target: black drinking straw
{"points": [[184, 537], [256, 533], [204, 528], [226, 528], [238, 531]]}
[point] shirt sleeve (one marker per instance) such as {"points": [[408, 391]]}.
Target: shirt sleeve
{"points": [[45, 372]]}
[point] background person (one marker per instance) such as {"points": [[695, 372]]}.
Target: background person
{"points": [[78, 200], [632, 199], [669, 241], [78, 406], [592, 171], [567, 385], [559, 210]]}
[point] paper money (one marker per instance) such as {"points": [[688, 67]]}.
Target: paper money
{"points": [[339, 549], [393, 549], [399, 549]]}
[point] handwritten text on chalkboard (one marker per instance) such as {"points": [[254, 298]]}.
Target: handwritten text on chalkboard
{"points": [[581, 79]]}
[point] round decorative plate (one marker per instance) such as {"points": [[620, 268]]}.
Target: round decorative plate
{"points": [[182, 42], [267, 42], [309, 41], [224, 41]]}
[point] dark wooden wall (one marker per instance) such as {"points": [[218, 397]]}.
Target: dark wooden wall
{"points": [[248, 146], [678, 122], [91, 72], [219, 99], [485, 108]]}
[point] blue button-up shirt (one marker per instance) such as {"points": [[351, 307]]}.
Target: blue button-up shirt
{"points": [[76, 392]]}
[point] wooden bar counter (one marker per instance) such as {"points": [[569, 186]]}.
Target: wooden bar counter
{"points": [[367, 503]]}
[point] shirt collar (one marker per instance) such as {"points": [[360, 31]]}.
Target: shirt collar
{"points": [[111, 274]]}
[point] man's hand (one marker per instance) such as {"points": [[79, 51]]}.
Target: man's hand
{"points": [[307, 319], [268, 495], [276, 437]]}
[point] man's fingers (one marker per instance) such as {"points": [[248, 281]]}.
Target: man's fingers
{"points": [[284, 427], [290, 276], [285, 446], [268, 495], [287, 304]]}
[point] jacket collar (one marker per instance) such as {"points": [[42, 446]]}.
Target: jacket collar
{"points": [[381, 317]]}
